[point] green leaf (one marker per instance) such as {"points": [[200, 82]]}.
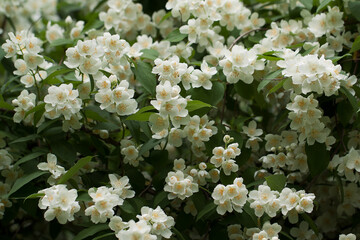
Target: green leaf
{"points": [[178, 234], [142, 115], [337, 58], [90, 231], [311, 223], [356, 44], [94, 115], [104, 235], [149, 145], [58, 72], [175, 36], [2, 53], [151, 54], [217, 93], [25, 139], [5, 105], [354, 7], [166, 16], [268, 78], [269, 57], [278, 86], [276, 182], [83, 196], [308, 51], [196, 104], [307, 3], [92, 82], [144, 76], [317, 158], [62, 41], [286, 235], [323, 5], [344, 111], [34, 195], [74, 169], [39, 107], [20, 182], [351, 98], [206, 211], [28, 158], [160, 199]]}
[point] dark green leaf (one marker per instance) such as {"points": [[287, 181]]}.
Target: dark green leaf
{"points": [[24, 180], [217, 93], [74, 169], [90, 231], [58, 72], [104, 235], [175, 36], [94, 115], [351, 98], [178, 234], [144, 76], [25, 139], [206, 211], [28, 158], [39, 107], [276, 182], [317, 158], [354, 7], [5, 105], [311, 223], [149, 145]]}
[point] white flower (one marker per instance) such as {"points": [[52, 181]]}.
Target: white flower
{"points": [[52, 166]]}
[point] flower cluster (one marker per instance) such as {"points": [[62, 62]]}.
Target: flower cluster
{"points": [[118, 98], [224, 158], [180, 185], [268, 231], [104, 199], [24, 103], [131, 152], [291, 202], [230, 197], [65, 101], [348, 165], [51, 166], [306, 119], [60, 203]]}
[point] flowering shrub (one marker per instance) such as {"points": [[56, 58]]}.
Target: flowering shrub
{"points": [[179, 119]]}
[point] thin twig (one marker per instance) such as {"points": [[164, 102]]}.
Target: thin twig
{"points": [[241, 36]]}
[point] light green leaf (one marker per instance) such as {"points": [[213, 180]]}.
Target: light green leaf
{"points": [[94, 115], [269, 57], [145, 77], [175, 36], [34, 109], [90, 231], [323, 5], [62, 41], [307, 3], [34, 195], [28, 158], [278, 86], [20, 182], [206, 211], [74, 169], [276, 182], [317, 158], [356, 44], [141, 117], [196, 104], [268, 78], [166, 16], [51, 77], [151, 54]]}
